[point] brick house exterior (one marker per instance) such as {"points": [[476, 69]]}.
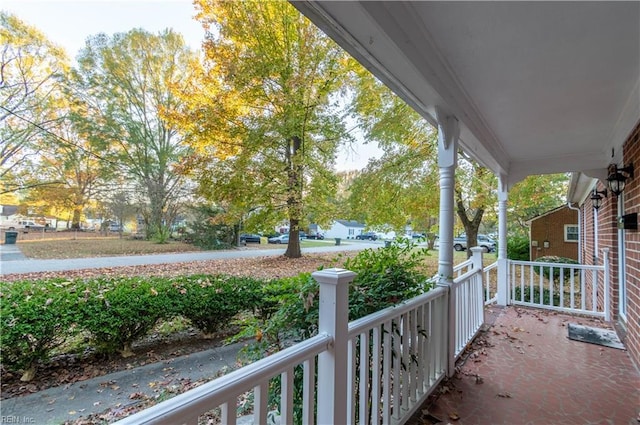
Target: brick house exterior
{"points": [[599, 232], [554, 233]]}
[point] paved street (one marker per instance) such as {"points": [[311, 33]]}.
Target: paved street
{"points": [[12, 261]]}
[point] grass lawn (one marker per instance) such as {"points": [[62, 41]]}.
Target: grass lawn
{"points": [[113, 246], [98, 247]]}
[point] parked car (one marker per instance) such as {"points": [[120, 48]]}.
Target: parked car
{"points": [[317, 235], [488, 244], [371, 236], [302, 235], [279, 239], [115, 227], [249, 238]]}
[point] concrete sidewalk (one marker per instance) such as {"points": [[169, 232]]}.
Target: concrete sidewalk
{"points": [[14, 264], [70, 402], [10, 253]]}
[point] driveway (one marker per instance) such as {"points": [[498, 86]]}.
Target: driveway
{"points": [[12, 262]]}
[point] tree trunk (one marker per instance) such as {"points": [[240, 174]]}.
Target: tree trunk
{"points": [[77, 212], [294, 197], [293, 247], [471, 225]]}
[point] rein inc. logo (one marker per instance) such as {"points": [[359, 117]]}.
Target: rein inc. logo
{"points": [[12, 419]]}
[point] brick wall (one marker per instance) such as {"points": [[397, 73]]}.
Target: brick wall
{"points": [[631, 154], [550, 227]]}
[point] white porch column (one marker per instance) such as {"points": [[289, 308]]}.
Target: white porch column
{"points": [[332, 364], [503, 264], [448, 133]]}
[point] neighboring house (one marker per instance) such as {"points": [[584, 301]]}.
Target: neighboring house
{"points": [[8, 214], [344, 229], [601, 229], [554, 233]]}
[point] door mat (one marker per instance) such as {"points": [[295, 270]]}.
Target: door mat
{"points": [[605, 337]]}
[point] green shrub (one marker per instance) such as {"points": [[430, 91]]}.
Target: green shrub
{"points": [[35, 318], [207, 232], [546, 296], [518, 248], [386, 276], [556, 270], [117, 312], [210, 302]]}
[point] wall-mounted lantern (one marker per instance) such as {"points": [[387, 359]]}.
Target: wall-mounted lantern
{"points": [[596, 198], [618, 177]]}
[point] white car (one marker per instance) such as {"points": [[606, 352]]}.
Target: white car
{"points": [[280, 239]]}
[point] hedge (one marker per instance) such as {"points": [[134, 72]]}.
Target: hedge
{"points": [[36, 317]]}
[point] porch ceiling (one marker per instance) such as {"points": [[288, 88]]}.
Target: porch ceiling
{"points": [[538, 87]]}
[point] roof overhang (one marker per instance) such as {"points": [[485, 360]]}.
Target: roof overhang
{"points": [[538, 87]]}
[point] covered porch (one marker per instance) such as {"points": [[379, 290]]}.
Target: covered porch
{"points": [[451, 354], [524, 370]]}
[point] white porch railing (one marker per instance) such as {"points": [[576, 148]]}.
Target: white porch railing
{"points": [[466, 306], [570, 288], [491, 283], [376, 370], [396, 358]]}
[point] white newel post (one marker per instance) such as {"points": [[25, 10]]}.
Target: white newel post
{"points": [[448, 133], [476, 257], [503, 262], [332, 364]]}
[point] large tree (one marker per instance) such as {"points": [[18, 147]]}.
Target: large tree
{"points": [[126, 82], [401, 187], [534, 196], [261, 114], [31, 71], [474, 194]]}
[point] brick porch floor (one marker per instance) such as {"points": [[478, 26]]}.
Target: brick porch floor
{"points": [[524, 370]]}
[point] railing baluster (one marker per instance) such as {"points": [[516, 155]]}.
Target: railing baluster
{"points": [[531, 270], [421, 354], [561, 270], [375, 376], [428, 373], [397, 349], [286, 396], [228, 412], [364, 377], [404, 371], [562, 288], [573, 291], [583, 291], [260, 400], [351, 380], [594, 296], [541, 287], [308, 391], [386, 373], [416, 341]]}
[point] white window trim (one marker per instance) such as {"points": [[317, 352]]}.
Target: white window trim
{"points": [[577, 233]]}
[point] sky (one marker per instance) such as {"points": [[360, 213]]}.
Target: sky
{"points": [[68, 23]]}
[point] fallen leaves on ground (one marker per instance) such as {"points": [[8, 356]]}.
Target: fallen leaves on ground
{"points": [[260, 267]]}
